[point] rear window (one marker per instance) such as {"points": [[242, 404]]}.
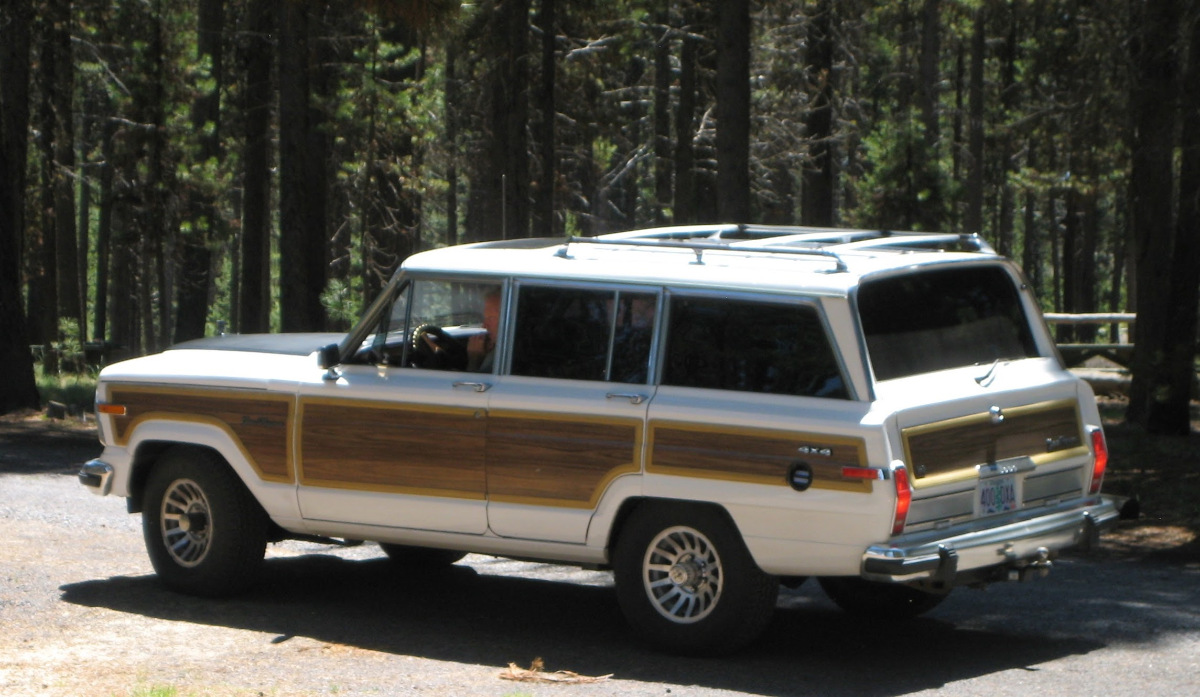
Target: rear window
{"points": [[943, 318]]}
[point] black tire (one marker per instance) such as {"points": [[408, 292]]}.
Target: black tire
{"points": [[420, 558], [686, 583], [872, 599], [205, 533]]}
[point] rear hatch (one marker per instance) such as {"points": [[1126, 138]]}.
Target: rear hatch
{"points": [[1006, 453], [986, 420]]}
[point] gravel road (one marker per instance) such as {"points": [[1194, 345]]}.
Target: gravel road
{"points": [[81, 614]]}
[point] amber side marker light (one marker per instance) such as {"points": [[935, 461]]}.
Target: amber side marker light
{"points": [[111, 409]]}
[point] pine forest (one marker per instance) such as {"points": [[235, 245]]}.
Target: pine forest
{"points": [[171, 169]]}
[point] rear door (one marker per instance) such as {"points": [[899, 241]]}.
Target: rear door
{"points": [[568, 420]]}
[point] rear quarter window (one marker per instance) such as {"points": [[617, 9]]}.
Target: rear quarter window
{"points": [[750, 346]]}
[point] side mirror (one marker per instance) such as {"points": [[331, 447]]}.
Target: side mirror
{"points": [[329, 356]]}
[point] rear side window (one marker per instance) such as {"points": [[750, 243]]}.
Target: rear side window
{"points": [[943, 318], [583, 334], [750, 346]]}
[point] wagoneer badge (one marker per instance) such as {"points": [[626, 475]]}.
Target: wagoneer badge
{"points": [[1058, 443]]}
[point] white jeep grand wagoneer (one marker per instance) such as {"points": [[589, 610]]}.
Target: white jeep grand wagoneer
{"points": [[707, 411]]}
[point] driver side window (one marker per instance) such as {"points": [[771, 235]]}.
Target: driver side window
{"points": [[440, 324]]}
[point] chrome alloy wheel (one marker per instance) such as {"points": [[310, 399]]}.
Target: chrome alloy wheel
{"points": [[683, 575], [185, 522]]}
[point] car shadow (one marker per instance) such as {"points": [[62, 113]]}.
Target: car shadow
{"points": [[463, 615]]}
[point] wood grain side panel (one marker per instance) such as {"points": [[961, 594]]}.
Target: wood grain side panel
{"points": [[259, 424], [384, 447], [754, 456], [962, 444], [559, 462]]}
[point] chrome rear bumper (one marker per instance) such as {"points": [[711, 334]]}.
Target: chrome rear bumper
{"points": [[1029, 541]]}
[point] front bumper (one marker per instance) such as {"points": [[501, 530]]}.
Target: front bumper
{"points": [[942, 556], [97, 475]]}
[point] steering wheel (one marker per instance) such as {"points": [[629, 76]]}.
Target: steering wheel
{"points": [[434, 348]]}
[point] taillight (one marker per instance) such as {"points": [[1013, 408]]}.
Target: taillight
{"points": [[903, 499], [1100, 451]]}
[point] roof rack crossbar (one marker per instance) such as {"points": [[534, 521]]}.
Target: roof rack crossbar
{"points": [[901, 239], [698, 248]]}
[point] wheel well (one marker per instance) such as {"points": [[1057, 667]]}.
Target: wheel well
{"points": [[630, 505], [144, 459]]}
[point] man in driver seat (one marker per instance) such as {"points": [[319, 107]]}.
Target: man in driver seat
{"points": [[481, 348]]}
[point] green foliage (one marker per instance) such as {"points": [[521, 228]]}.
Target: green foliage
{"points": [[907, 188], [340, 301], [1055, 80], [67, 388]]}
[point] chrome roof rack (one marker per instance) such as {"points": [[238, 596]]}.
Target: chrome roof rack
{"points": [[828, 243], [699, 248]]}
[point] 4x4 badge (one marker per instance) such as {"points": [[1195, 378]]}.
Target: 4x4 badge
{"points": [[813, 450]]}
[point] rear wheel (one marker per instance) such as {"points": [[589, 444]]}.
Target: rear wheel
{"points": [[686, 582], [205, 533], [881, 600], [418, 558]]}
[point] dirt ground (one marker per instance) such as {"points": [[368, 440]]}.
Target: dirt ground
{"points": [[83, 615]]}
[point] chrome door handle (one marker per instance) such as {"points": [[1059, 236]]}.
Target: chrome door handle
{"points": [[633, 397], [477, 386]]}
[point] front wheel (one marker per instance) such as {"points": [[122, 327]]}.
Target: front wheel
{"points": [[205, 533], [686, 582]]}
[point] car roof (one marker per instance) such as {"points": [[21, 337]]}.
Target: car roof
{"points": [[744, 257]]}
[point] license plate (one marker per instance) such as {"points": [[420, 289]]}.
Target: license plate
{"points": [[997, 495]]}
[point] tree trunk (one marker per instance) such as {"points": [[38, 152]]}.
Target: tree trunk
{"points": [[1010, 99], [196, 254], [973, 220], [543, 214], [733, 111], [662, 116], [685, 131], [510, 118], [104, 228], [817, 181], [255, 49], [927, 95], [301, 175], [18, 389], [1170, 413], [451, 99], [1155, 59]]}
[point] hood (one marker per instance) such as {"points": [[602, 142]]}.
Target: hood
{"points": [[284, 344]]}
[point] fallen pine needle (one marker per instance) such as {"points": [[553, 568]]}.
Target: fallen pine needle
{"points": [[535, 673]]}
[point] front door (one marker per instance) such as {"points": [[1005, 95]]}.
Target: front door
{"points": [[399, 438]]}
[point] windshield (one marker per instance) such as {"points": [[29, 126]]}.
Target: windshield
{"points": [[943, 318]]}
